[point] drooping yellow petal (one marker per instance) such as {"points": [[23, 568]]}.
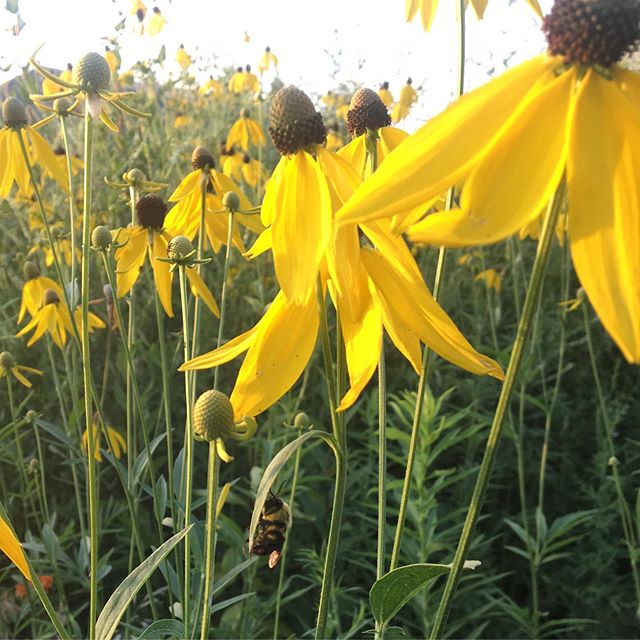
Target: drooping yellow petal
{"points": [[161, 270], [302, 227], [222, 498], [535, 6], [226, 352], [363, 344], [604, 207], [263, 243], [20, 378], [423, 316], [130, 259], [517, 176], [355, 153], [479, 6], [272, 201], [20, 170], [188, 184], [13, 549], [222, 451], [48, 160], [280, 351], [200, 289], [443, 152], [390, 138]]}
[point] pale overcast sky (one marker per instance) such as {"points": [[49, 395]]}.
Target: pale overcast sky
{"points": [[319, 44]]}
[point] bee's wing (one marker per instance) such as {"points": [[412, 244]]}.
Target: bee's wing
{"points": [[274, 558]]}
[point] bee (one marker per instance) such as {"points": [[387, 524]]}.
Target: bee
{"points": [[274, 521]]}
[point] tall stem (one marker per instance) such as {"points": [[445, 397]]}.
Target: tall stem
{"points": [[522, 336], [188, 458], [213, 466], [86, 374], [72, 206]]}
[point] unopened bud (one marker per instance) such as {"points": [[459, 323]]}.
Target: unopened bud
{"points": [[231, 201], [13, 113], [101, 238], [212, 416]]}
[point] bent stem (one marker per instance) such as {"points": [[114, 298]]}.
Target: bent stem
{"points": [[213, 468], [335, 391], [522, 336]]}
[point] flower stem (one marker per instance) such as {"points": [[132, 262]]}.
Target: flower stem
{"points": [[86, 374], [72, 208], [188, 457], [337, 421], [213, 467], [522, 336]]}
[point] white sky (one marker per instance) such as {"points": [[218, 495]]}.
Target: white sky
{"points": [[319, 43]]}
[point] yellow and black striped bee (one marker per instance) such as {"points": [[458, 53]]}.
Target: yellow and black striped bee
{"points": [[274, 521]]}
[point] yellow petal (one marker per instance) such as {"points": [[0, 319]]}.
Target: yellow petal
{"points": [[604, 207], [20, 171], [535, 6], [390, 138], [200, 289], [222, 451], [443, 151], [48, 160], [13, 549], [224, 183], [281, 349], [363, 344], [479, 6], [18, 376], [302, 227], [161, 271], [272, 200], [130, 260], [226, 352], [222, 498], [188, 184], [422, 315], [263, 243], [517, 176], [355, 153]]}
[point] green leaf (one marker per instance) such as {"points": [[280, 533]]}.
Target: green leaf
{"points": [[123, 595], [161, 629], [389, 594], [273, 469], [219, 606]]}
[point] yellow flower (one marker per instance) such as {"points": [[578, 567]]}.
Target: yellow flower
{"points": [[236, 82], [407, 99], [13, 167], [91, 79], [428, 9], [268, 59], [491, 278], [53, 317], [334, 139], [117, 442], [183, 58], [245, 130], [212, 87], [11, 546], [33, 290], [573, 112], [250, 81], [156, 22], [8, 365], [113, 60], [385, 95], [232, 164], [180, 121], [184, 218], [252, 171]]}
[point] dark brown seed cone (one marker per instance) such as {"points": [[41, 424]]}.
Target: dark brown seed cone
{"points": [[201, 157], [30, 270], [212, 416], [151, 212], [92, 72], [50, 297], [366, 111], [293, 121], [592, 31], [14, 114]]}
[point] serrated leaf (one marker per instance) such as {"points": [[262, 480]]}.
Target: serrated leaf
{"points": [[117, 604]]}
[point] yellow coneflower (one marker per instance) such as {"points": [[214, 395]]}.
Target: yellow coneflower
{"points": [[334, 139], [183, 58], [571, 111], [91, 79], [53, 317], [491, 278], [245, 130], [231, 162], [113, 60], [33, 290], [8, 365], [268, 60], [181, 120], [385, 95], [236, 81], [13, 167], [211, 87], [427, 9], [184, 218], [156, 22], [408, 97], [250, 82], [117, 442], [252, 171]]}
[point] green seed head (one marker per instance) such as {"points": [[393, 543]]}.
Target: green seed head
{"points": [[179, 248], [101, 238], [31, 415], [212, 416], [92, 72], [7, 361], [61, 106], [231, 201], [134, 177], [301, 421], [14, 114]]}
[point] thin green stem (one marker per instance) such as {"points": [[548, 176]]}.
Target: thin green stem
{"points": [[72, 207], [382, 466], [86, 374], [484, 474], [188, 458], [213, 467]]}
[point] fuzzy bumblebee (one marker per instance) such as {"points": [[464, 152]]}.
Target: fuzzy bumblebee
{"points": [[274, 521]]}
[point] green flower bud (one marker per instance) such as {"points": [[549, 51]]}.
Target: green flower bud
{"points": [[101, 238], [231, 201], [92, 72], [212, 416], [14, 113]]}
